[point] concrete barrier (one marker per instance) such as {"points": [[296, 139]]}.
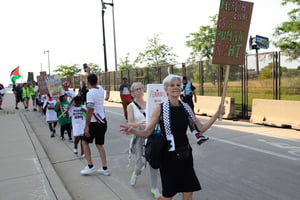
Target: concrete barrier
{"points": [[280, 113], [106, 93], [114, 96], [208, 105]]}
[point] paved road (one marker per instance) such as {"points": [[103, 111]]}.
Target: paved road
{"points": [[240, 161]]}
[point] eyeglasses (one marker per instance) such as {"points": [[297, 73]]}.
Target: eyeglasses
{"points": [[137, 89], [174, 85]]}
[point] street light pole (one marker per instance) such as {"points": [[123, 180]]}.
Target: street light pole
{"points": [[103, 33], [48, 60], [115, 46], [114, 32]]}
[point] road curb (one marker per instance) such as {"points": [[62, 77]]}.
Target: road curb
{"points": [[55, 182]]}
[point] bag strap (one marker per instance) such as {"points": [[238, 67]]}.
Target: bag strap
{"points": [[99, 118], [139, 107]]}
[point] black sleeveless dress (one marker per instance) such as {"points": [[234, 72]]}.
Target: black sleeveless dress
{"points": [[178, 176]]}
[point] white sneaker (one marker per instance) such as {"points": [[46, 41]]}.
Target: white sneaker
{"points": [[88, 170], [155, 192], [82, 156], [133, 179], [75, 151], [103, 172]]}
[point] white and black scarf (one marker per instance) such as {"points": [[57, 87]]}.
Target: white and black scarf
{"points": [[167, 122]]}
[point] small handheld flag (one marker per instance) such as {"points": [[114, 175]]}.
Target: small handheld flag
{"points": [[14, 75]]}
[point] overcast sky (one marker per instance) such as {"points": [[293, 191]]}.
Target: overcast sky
{"points": [[72, 29]]}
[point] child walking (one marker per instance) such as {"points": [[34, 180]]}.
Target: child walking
{"points": [[51, 116], [63, 119], [77, 111]]}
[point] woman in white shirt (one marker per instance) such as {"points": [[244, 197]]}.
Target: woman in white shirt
{"points": [[136, 118], [51, 116]]}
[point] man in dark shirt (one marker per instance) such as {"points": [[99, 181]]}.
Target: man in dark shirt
{"points": [[83, 90], [2, 92], [18, 94], [188, 91]]}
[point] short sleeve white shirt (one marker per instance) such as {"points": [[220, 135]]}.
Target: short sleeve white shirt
{"points": [[70, 94], [78, 120], [95, 100], [51, 115]]}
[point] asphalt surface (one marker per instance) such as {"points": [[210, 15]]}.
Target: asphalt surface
{"points": [[240, 161]]}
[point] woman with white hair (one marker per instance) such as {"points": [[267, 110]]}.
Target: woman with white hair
{"points": [[136, 111], [177, 173]]}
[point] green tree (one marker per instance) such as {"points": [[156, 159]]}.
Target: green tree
{"points": [[287, 34], [290, 73], [202, 42], [156, 53], [124, 64], [95, 68], [67, 70], [202, 45], [266, 72]]}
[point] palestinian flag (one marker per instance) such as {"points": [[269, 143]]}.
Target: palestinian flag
{"points": [[14, 75]]}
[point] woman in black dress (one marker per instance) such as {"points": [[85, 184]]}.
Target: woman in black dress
{"points": [[176, 175]]}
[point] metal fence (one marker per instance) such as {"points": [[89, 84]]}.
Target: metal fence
{"points": [[269, 75]]}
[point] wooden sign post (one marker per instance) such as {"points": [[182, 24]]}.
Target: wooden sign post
{"points": [[231, 35]]}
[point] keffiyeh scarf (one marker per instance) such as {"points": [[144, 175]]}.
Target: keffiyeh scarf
{"points": [[167, 122]]}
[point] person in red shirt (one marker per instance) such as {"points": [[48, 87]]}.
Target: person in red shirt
{"points": [[125, 95]]}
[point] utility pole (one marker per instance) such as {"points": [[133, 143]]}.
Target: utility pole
{"points": [[48, 60], [103, 34]]}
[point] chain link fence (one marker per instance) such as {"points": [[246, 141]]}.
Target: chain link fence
{"points": [[271, 75]]}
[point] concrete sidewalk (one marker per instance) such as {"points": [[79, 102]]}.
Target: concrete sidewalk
{"points": [[36, 166], [26, 172]]}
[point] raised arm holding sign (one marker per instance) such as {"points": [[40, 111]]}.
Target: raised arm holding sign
{"points": [[231, 35]]}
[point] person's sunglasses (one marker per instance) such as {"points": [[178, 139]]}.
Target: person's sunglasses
{"points": [[137, 89]]}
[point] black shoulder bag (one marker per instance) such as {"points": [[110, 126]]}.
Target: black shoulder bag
{"points": [[155, 145]]}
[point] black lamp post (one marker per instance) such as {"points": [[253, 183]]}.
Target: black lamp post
{"points": [[114, 32], [103, 33]]}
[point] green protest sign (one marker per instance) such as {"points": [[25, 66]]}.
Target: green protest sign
{"points": [[54, 86]]}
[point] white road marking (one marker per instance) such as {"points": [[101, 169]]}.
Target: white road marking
{"points": [[255, 149], [294, 150]]}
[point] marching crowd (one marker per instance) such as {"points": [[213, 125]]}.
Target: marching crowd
{"points": [[82, 117]]}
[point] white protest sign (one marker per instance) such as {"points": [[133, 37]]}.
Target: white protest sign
{"points": [[155, 95], [54, 86]]}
